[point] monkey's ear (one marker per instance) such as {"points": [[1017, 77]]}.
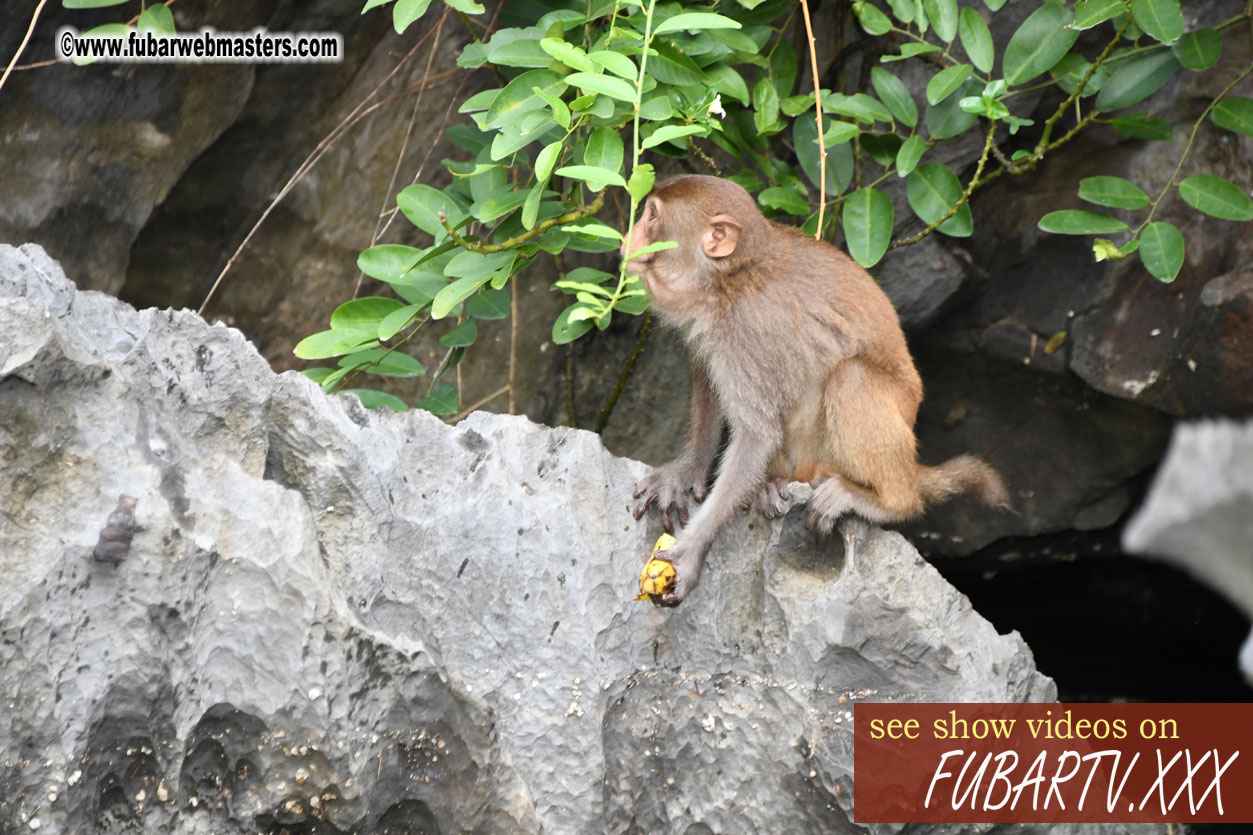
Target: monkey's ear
{"points": [[721, 236]]}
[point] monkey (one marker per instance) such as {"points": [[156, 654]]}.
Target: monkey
{"points": [[797, 349]]}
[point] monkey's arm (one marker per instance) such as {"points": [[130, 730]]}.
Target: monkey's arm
{"points": [[669, 484], [743, 469]]}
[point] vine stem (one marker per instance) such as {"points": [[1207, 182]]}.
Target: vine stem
{"points": [[539, 228], [822, 147], [970, 187], [1043, 144], [1187, 149]]}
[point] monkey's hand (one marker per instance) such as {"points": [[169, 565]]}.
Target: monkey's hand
{"points": [[688, 563], [772, 498], [668, 486]]}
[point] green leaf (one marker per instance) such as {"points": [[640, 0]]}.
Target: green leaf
{"points": [[1142, 126], [591, 174], [632, 304], [766, 107], [518, 97], [387, 262], [157, 19], [947, 119], [369, 4], [405, 12], [903, 10], [1161, 250], [726, 81], [524, 52], [784, 200], [561, 112], [910, 152], [564, 330], [860, 106], [696, 20], [655, 246], [607, 85], [976, 39], [1216, 197], [670, 66], [641, 182], [332, 343], [363, 314], [839, 159], [932, 189], [447, 299], [593, 227], [946, 82], [1089, 13], [911, 50], [461, 336], [881, 147], [441, 401], [1163, 19], [1234, 113], [488, 304], [465, 6], [1040, 42], [667, 132], [893, 92], [1114, 192], [422, 206], [994, 5], [1071, 70], [616, 63], [530, 206], [1136, 80], [112, 30], [394, 322], [783, 67], [545, 160], [373, 399], [658, 107], [867, 220], [604, 149], [1079, 222], [872, 20], [839, 133], [943, 17], [388, 363], [568, 54], [1199, 50]]}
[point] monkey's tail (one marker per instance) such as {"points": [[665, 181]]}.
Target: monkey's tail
{"points": [[963, 474]]}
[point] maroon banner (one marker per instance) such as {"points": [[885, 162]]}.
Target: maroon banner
{"points": [[1052, 763]]}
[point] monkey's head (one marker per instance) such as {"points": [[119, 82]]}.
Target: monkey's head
{"points": [[715, 223]]}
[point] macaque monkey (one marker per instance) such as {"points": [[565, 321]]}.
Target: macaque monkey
{"points": [[798, 350]]}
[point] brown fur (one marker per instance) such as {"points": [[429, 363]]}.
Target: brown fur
{"points": [[795, 347]]}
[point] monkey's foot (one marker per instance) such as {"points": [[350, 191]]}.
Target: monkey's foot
{"points": [[772, 498], [668, 486], [829, 502]]}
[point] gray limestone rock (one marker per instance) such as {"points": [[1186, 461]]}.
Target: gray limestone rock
{"points": [[355, 621], [1199, 512]]}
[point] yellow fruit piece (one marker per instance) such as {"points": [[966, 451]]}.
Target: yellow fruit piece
{"points": [[657, 578]]}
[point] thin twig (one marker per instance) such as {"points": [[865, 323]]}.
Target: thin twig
{"points": [[357, 112], [822, 146], [602, 420], [513, 344], [404, 145], [30, 30], [476, 404]]}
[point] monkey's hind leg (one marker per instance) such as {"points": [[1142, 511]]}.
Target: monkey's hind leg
{"points": [[870, 434]]}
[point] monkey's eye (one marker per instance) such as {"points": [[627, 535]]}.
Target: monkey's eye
{"points": [[652, 211]]}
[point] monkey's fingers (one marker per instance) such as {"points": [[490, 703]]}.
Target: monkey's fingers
{"points": [[699, 492], [642, 506]]}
